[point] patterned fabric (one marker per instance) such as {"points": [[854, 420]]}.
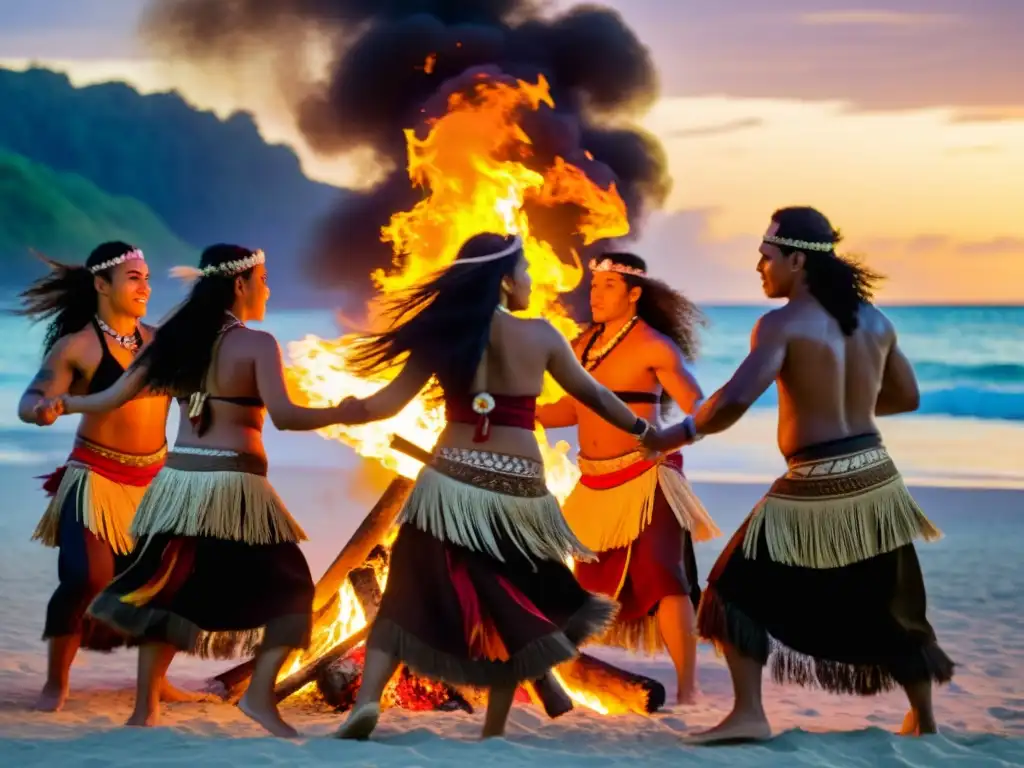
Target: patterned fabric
{"points": [[498, 472]]}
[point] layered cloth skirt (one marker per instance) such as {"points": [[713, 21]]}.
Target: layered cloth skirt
{"points": [[217, 570], [478, 591], [641, 518], [93, 500], [823, 576]]}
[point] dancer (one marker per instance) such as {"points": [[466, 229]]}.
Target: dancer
{"points": [[478, 592], [638, 513], [95, 331], [824, 569], [218, 571]]}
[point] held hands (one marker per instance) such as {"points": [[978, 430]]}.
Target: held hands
{"points": [[664, 439], [351, 410]]}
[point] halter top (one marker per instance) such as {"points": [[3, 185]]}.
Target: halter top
{"points": [[109, 370]]}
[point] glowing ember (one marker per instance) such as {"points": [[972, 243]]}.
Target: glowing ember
{"points": [[471, 167]]}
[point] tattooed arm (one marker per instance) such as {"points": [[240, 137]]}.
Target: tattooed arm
{"points": [[53, 379]]}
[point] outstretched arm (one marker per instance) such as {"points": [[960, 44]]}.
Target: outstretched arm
{"points": [[574, 379], [561, 413], [899, 392], [390, 399], [131, 383], [270, 381], [725, 407], [670, 369], [53, 380]]}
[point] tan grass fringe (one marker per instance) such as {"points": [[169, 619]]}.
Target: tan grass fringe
{"points": [[615, 517], [236, 506], [835, 532], [473, 517], [104, 507], [638, 636]]}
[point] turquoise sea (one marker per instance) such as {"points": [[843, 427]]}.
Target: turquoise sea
{"points": [[969, 361]]}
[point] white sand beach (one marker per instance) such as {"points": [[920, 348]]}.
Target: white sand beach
{"points": [[976, 603]]}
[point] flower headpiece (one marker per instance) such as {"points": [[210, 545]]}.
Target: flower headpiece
{"points": [[133, 255], [224, 269], [800, 245], [607, 265]]}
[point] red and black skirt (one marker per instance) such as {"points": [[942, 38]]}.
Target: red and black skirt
{"points": [[478, 590]]}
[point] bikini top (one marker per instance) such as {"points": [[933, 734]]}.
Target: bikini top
{"points": [[109, 370], [199, 402]]}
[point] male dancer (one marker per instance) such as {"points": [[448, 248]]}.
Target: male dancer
{"points": [[824, 569], [638, 514], [94, 334]]}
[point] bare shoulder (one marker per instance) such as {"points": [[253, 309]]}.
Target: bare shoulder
{"points": [[261, 342], [776, 324], [75, 346], [874, 320]]}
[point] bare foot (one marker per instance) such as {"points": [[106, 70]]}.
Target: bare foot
{"points": [[360, 723], [171, 693], [267, 716], [52, 698], [736, 728], [143, 719], [688, 696]]}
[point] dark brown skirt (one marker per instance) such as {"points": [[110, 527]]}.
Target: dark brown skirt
{"points": [[859, 628], [211, 597], [464, 617]]}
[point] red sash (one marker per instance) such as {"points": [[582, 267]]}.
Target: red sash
{"points": [[624, 475], [105, 466]]}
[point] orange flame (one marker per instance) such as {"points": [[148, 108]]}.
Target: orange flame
{"points": [[472, 165]]}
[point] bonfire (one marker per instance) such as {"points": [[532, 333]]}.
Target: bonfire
{"points": [[478, 173]]}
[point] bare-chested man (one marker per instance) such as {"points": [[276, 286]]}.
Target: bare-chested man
{"points": [[638, 514], [94, 333], [824, 569]]}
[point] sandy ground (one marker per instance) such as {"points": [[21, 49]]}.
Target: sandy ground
{"points": [[976, 596]]}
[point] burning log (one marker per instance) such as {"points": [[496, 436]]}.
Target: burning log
{"points": [[617, 690]]}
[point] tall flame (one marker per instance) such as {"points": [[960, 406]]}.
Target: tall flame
{"points": [[473, 168]]}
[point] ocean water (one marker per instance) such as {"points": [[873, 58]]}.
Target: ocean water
{"points": [[969, 429]]}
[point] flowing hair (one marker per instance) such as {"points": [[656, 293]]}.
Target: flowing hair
{"points": [[443, 324], [841, 284], [67, 296], [177, 358]]}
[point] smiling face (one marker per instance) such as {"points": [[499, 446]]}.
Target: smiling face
{"points": [[125, 289]]}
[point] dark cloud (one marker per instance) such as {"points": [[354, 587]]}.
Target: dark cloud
{"points": [[396, 63]]}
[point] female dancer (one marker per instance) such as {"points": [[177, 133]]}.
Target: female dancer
{"points": [[95, 311], [478, 592], [218, 570]]}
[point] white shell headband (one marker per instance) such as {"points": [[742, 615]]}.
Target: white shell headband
{"points": [[508, 250], [133, 255], [800, 245], [225, 269], [607, 265]]}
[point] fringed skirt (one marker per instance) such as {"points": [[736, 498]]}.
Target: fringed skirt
{"points": [[478, 591], [823, 577], [642, 518], [217, 569]]}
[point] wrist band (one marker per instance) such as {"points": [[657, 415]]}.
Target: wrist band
{"points": [[640, 427]]}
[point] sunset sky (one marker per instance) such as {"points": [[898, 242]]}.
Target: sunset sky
{"points": [[903, 121]]}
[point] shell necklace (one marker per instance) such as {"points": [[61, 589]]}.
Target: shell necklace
{"points": [[130, 341], [592, 359]]}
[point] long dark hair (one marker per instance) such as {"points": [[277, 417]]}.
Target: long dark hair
{"points": [[67, 296], [444, 323], [182, 348], [841, 284], [663, 308]]}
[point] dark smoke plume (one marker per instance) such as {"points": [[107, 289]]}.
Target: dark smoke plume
{"points": [[378, 84]]}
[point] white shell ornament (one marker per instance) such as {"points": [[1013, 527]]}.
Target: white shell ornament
{"points": [[483, 403]]}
